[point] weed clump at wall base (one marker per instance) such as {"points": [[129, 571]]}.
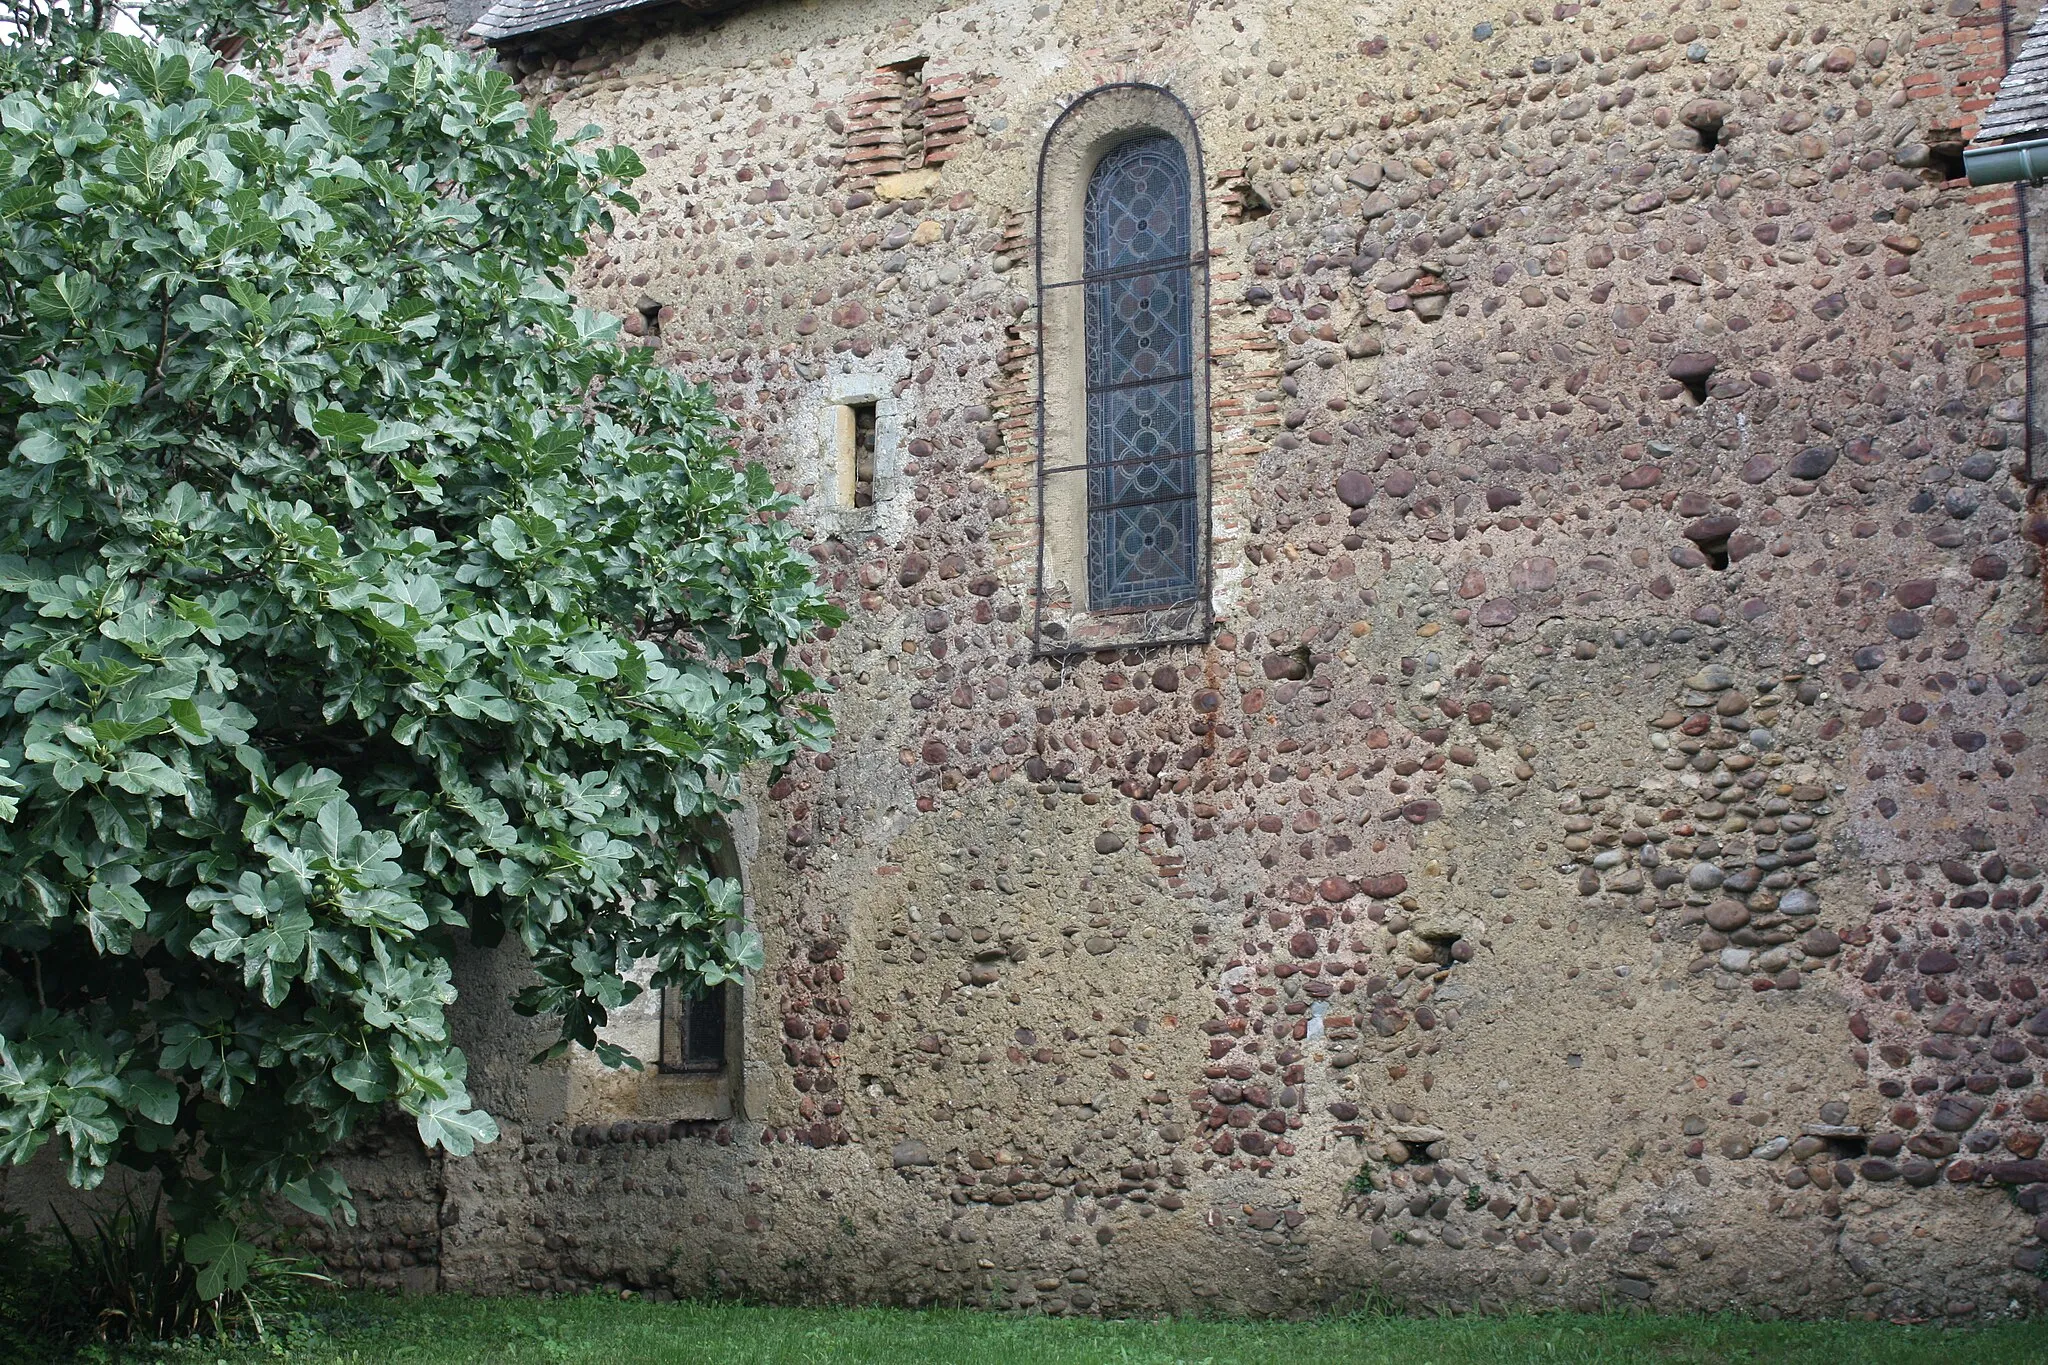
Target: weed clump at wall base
{"points": [[127, 1277]]}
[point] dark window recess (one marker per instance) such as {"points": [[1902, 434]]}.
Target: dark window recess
{"points": [[863, 454], [1945, 152], [1251, 205], [697, 1041]]}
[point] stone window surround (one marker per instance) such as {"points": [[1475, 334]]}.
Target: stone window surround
{"points": [[834, 455], [1094, 124]]}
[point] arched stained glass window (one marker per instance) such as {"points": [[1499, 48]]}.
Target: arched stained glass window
{"points": [[1144, 504], [1123, 376]]}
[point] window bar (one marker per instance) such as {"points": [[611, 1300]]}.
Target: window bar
{"points": [[1183, 376], [1147, 501], [1163, 265], [1127, 460]]}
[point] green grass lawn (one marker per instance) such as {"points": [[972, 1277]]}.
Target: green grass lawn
{"points": [[368, 1330]]}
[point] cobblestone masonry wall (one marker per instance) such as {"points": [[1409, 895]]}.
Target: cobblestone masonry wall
{"points": [[1530, 896]]}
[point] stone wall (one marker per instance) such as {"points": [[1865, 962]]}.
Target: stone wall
{"points": [[1597, 858]]}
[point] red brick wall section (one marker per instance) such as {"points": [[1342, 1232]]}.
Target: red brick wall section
{"points": [[1962, 66]]}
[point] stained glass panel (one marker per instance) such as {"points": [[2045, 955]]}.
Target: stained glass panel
{"points": [[1143, 537]]}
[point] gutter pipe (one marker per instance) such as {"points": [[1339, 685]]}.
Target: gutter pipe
{"points": [[2006, 162]]}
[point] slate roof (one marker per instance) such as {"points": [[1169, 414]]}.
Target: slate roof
{"points": [[2021, 109], [504, 19]]}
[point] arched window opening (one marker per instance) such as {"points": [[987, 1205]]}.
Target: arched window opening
{"points": [[702, 1029], [1123, 553], [691, 1040], [1142, 500]]}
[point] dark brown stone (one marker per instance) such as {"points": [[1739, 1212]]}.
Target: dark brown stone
{"points": [[1726, 916], [2028, 1172], [1820, 943], [1957, 1113], [1811, 463], [1354, 489], [1917, 592]]}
